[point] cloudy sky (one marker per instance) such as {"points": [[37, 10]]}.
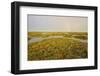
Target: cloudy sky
{"points": [[44, 23]]}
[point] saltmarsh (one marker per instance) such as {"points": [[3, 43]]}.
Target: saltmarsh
{"points": [[62, 45]]}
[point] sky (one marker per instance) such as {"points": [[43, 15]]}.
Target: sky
{"points": [[47, 23]]}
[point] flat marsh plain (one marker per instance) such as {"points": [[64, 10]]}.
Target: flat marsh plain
{"points": [[57, 45]]}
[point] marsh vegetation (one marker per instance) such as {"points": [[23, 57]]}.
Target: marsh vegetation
{"points": [[57, 45]]}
